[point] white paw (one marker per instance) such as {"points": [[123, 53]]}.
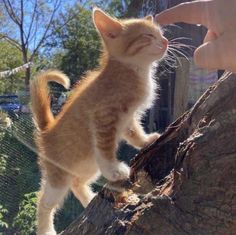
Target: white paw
{"points": [[88, 199], [51, 232], [116, 171], [48, 232], [151, 138]]}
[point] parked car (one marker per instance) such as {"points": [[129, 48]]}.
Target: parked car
{"points": [[10, 104]]}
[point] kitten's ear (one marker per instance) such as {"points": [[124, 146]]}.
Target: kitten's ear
{"points": [[149, 18], [106, 25]]}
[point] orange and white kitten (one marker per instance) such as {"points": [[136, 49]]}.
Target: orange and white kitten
{"points": [[104, 108]]}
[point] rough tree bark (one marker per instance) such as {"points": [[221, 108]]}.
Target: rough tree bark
{"points": [[186, 178]]}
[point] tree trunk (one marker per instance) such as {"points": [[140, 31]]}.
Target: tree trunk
{"points": [[28, 69], [27, 78], [186, 178], [134, 8]]}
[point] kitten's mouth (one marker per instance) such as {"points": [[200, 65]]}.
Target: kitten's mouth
{"points": [[160, 53], [162, 47]]}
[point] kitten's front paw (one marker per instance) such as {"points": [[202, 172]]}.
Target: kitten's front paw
{"points": [[51, 233], [46, 231], [151, 138], [116, 171]]}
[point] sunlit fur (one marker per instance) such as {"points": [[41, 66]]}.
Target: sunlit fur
{"points": [[104, 108]]}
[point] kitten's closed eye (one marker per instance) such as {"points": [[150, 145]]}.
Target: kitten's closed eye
{"points": [[109, 110], [148, 35]]}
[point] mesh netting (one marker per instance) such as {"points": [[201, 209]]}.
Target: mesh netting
{"points": [[20, 177]]}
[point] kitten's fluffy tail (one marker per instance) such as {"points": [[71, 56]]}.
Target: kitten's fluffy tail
{"points": [[40, 99]]}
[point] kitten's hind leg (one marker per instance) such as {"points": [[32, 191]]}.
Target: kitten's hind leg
{"points": [[82, 191], [49, 199]]}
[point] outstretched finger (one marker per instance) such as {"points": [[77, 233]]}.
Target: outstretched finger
{"points": [[197, 12]]}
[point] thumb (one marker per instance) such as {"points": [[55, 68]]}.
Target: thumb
{"points": [[210, 36], [212, 54]]}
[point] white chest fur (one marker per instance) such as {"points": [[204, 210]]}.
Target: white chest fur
{"points": [[150, 89]]}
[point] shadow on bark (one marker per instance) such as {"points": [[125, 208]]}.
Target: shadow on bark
{"points": [[184, 183]]}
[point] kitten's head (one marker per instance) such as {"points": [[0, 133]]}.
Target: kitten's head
{"points": [[134, 41]]}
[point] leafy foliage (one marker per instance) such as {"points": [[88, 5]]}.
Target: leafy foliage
{"points": [[79, 42], [27, 24], [25, 220], [78, 39], [10, 58], [19, 173], [3, 164], [3, 224]]}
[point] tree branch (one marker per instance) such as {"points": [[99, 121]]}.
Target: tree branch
{"points": [[11, 12], [185, 181], [12, 41], [56, 7], [32, 22]]}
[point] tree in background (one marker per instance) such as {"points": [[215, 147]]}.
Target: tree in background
{"points": [[10, 58], [78, 42], [26, 25]]}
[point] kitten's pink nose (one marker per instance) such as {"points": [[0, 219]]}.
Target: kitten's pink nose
{"points": [[164, 42]]}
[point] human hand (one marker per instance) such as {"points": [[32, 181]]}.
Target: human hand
{"points": [[218, 50]]}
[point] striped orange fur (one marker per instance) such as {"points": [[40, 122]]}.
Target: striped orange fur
{"points": [[106, 107]]}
